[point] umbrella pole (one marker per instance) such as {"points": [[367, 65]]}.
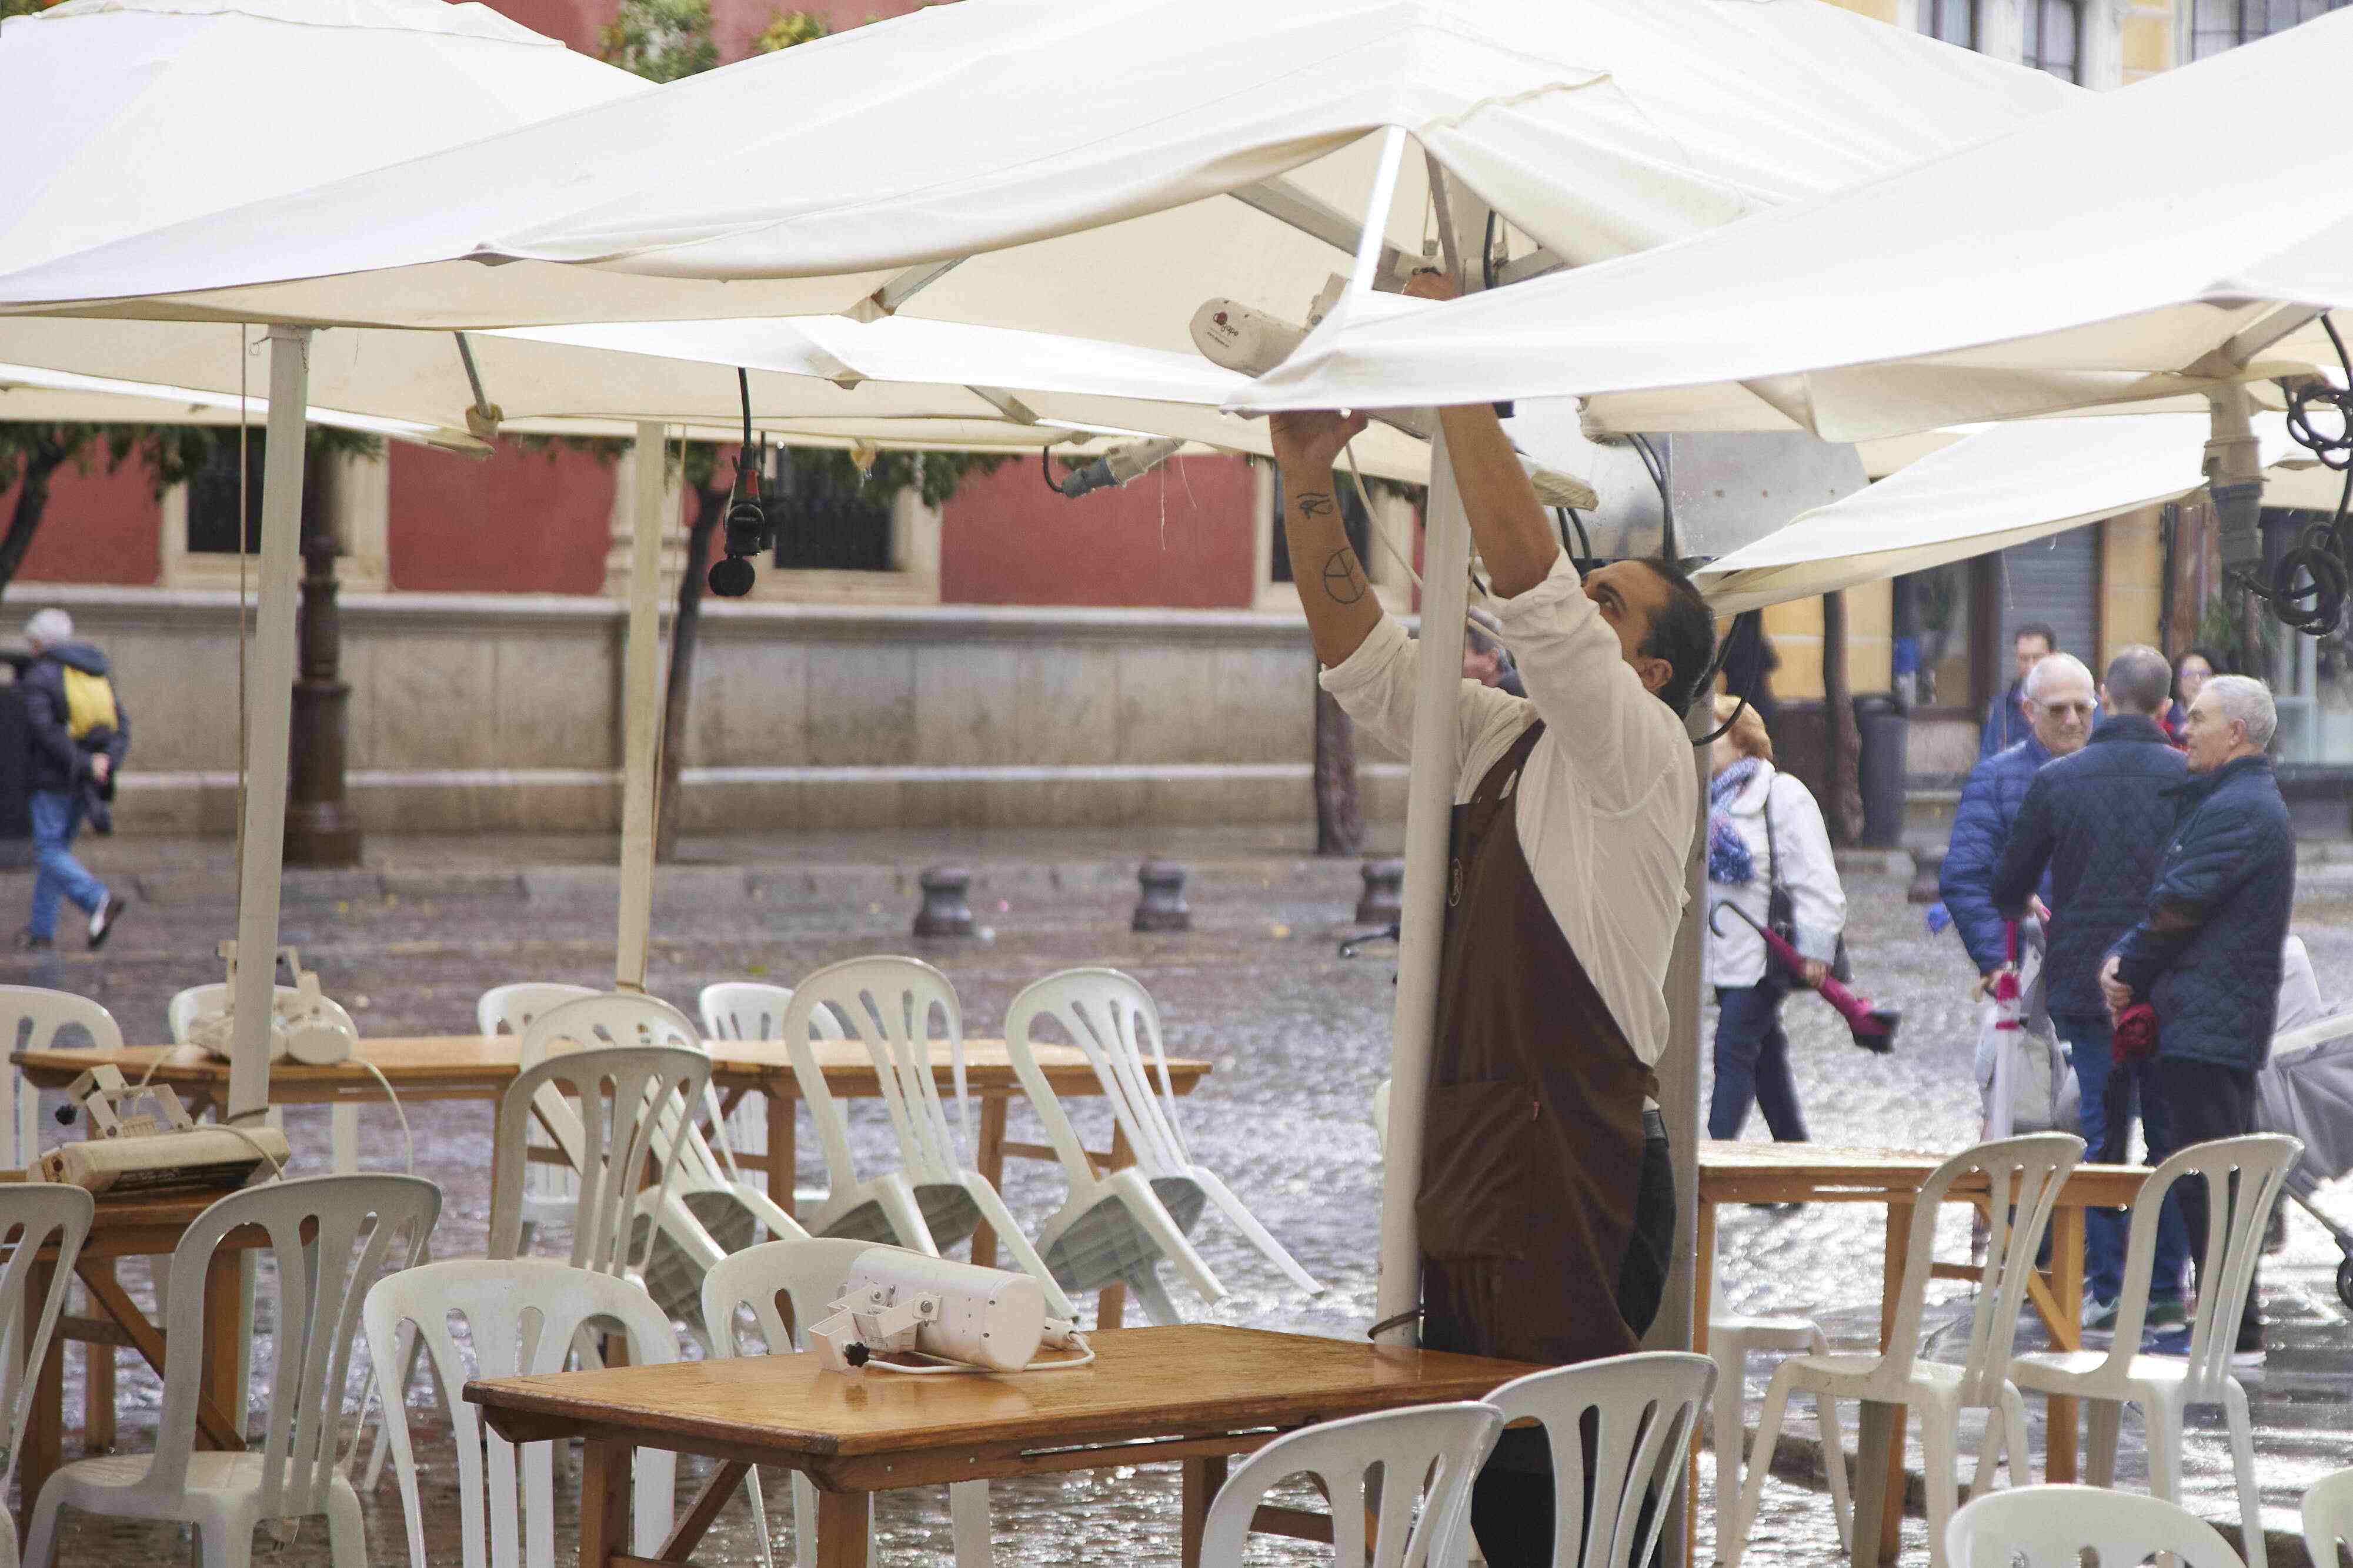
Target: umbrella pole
{"points": [[1428, 813], [1429, 824], [641, 711], [265, 742]]}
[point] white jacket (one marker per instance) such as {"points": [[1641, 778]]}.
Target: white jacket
{"points": [[1735, 953]]}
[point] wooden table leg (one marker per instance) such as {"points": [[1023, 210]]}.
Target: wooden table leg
{"points": [[1112, 1305], [606, 1481], [780, 1156], [2067, 1334], [988, 1159], [224, 1347], [1884, 1471], [844, 1527], [44, 1424], [98, 1386], [1202, 1479], [1878, 1482]]}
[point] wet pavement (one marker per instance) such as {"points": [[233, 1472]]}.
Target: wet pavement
{"points": [[1299, 1039]]}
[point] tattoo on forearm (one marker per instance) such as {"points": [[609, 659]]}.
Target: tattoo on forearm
{"points": [[1344, 580], [1314, 504]]}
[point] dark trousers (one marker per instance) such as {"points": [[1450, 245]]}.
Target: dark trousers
{"points": [[1511, 1503], [2110, 1095], [2205, 1101], [1752, 1063]]}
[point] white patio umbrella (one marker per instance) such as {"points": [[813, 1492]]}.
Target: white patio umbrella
{"points": [[1103, 171], [2007, 485], [2124, 248]]}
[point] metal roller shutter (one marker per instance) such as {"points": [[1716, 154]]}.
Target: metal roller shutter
{"points": [[2055, 581]]}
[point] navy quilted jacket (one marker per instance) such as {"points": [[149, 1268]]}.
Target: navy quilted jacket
{"points": [[1990, 804], [2206, 954], [2098, 822]]}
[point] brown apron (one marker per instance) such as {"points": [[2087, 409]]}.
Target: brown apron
{"points": [[1534, 1138]]}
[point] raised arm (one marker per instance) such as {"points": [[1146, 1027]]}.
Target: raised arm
{"points": [[1333, 587]]}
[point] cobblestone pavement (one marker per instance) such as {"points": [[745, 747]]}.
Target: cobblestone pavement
{"points": [[1298, 1039]]}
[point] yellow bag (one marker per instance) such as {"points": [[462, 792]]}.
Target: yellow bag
{"points": [[90, 701]]}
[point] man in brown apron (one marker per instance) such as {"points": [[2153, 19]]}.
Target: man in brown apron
{"points": [[1546, 1203]]}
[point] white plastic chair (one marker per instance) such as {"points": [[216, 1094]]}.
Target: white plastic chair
{"points": [[1731, 1341], [745, 1010], [1428, 1453], [30, 1019], [2164, 1387], [604, 1108], [2328, 1519], [2023, 1177], [888, 1006], [521, 1316], [548, 1189], [807, 1276], [34, 1215], [1644, 1408], [1117, 1226], [2050, 1527], [707, 1210], [359, 1225]]}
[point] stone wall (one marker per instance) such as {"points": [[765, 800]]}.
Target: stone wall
{"points": [[502, 711]]}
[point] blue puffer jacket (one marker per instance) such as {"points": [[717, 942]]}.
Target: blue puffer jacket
{"points": [[1990, 804], [2098, 822], [2206, 955]]}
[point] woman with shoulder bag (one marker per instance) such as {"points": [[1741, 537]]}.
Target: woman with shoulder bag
{"points": [[1769, 854]]}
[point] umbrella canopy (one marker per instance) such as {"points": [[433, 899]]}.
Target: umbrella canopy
{"points": [[1121, 162], [2125, 247], [436, 75], [1997, 487]]}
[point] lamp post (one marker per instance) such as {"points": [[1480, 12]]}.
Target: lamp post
{"points": [[321, 828]]}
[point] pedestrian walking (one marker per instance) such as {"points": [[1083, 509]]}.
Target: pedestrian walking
{"points": [[2191, 671], [2006, 722], [1546, 1195], [2057, 701], [80, 734], [1769, 854], [2097, 824], [2206, 957]]}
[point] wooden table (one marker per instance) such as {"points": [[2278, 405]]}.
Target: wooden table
{"points": [[1754, 1172], [1194, 1393], [136, 1227], [479, 1067]]}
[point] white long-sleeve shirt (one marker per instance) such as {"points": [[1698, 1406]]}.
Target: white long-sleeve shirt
{"points": [[1606, 805], [1735, 955]]}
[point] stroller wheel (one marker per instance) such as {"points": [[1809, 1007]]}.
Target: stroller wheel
{"points": [[2345, 1281]]}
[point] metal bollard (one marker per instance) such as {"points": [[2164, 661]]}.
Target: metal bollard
{"points": [[945, 911], [1383, 900], [1927, 866], [1162, 907]]}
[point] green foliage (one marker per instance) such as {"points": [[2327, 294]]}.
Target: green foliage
{"points": [[22, 8], [2223, 622], [661, 41], [787, 29], [934, 475], [172, 454]]}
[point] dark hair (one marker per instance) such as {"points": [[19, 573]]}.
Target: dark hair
{"points": [[1683, 632], [2036, 629], [2216, 664]]}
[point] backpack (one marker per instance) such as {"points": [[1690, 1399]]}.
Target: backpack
{"points": [[89, 702]]}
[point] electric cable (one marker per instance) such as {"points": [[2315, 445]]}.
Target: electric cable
{"points": [[1657, 471], [1754, 621], [1567, 516], [1046, 470], [2310, 581]]}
